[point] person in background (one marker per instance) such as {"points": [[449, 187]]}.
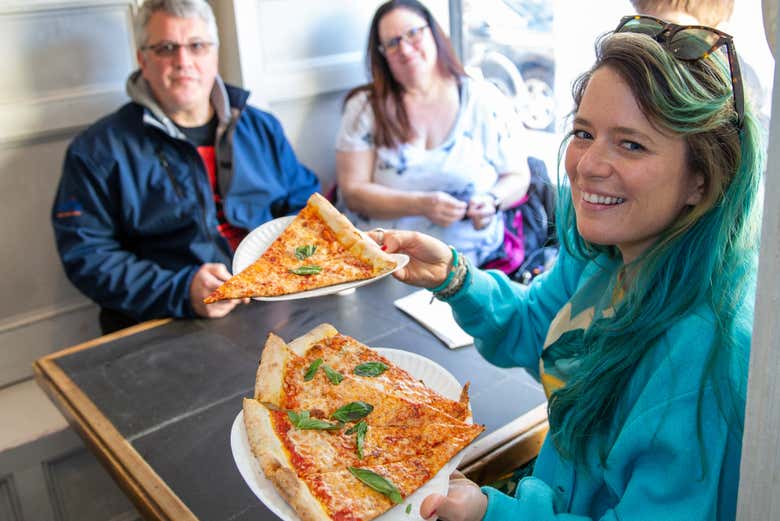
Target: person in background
{"points": [[423, 146], [713, 13], [640, 333], [154, 198]]}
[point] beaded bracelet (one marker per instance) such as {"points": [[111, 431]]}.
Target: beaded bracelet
{"points": [[450, 274], [455, 278], [458, 279]]}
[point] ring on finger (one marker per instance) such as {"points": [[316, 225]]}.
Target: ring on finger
{"points": [[381, 239]]}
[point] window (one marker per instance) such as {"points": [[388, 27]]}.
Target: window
{"points": [[532, 50]]}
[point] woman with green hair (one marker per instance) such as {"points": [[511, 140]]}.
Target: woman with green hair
{"points": [[640, 333]]}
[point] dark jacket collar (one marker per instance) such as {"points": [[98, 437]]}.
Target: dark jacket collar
{"points": [[223, 98]]}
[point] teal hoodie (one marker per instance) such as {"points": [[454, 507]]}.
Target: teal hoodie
{"points": [[656, 469]]}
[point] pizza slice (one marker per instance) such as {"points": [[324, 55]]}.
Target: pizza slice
{"points": [[341, 494], [319, 248], [338, 447], [348, 356], [291, 382]]}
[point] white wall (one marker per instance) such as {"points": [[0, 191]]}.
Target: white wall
{"points": [[760, 468], [65, 65]]}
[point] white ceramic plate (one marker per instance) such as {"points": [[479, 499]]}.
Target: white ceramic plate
{"points": [[431, 373], [261, 237]]}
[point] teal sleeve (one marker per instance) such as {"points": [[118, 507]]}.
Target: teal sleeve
{"points": [[675, 457], [656, 475], [509, 321], [535, 500]]}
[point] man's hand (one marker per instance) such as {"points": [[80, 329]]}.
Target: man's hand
{"points": [[464, 501], [208, 278], [442, 209]]}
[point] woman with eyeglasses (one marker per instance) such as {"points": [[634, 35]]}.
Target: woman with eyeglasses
{"points": [[640, 333], [425, 147]]}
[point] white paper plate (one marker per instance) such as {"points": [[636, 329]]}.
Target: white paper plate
{"points": [[421, 368], [261, 237]]}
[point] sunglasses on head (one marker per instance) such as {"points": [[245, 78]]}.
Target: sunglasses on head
{"points": [[690, 43]]}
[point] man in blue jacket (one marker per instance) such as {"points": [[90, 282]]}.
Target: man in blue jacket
{"points": [[155, 197]]}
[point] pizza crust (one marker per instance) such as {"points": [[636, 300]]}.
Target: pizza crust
{"points": [[356, 243], [274, 462], [303, 343], [268, 382]]}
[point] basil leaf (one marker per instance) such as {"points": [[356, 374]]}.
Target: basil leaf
{"points": [[354, 428], [408, 508], [370, 369], [353, 411], [303, 252], [306, 270], [302, 421], [378, 483], [361, 428], [334, 376], [312, 370]]}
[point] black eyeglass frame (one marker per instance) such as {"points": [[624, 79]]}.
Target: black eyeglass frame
{"points": [[159, 49], [392, 45], [665, 36]]}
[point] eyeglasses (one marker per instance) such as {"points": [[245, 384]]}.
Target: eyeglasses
{"points": [[169, 49], [690, 43], [412, 36]]}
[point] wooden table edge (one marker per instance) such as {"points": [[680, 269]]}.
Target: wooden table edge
{"points": [[140, 482], [503, 435], [143, 326]]}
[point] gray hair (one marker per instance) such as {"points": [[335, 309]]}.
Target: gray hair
{"points": [[179, 8]]}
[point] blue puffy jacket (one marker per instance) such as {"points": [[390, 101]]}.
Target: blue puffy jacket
{"points": [[134, 215]]}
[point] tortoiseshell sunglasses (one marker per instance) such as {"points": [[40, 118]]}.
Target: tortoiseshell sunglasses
{"points": [[690, 43]]}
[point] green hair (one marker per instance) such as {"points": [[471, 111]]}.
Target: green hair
{"points": [[707, 256]]}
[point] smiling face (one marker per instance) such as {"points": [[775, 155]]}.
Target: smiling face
{"points": [[411, 63], [629, 181], [182, 83]]}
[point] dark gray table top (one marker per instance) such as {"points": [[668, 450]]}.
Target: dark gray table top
{"points": [[173, 391]]}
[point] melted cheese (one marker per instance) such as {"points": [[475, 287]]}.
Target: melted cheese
{"points": [[344, 353], [407, 440]]}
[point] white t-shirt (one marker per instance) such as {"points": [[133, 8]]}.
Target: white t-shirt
{"points": [[486, 140]]}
